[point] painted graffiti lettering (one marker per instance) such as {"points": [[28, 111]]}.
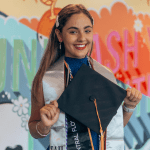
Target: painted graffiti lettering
{"points": [[112, 50]]}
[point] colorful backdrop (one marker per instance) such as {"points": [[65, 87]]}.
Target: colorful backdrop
{"points": [[121, 42]]}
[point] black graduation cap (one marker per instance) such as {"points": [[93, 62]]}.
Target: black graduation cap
{"points": [[77, 100]]}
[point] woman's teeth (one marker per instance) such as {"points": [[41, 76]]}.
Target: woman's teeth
{"points": [[79, 45]]}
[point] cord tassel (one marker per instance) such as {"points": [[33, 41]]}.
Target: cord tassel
{"points": [[102, 142]]}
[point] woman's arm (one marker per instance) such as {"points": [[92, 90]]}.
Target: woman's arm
{"points": [[126, 117], [44, 115], [131, 100], [35, 118]]}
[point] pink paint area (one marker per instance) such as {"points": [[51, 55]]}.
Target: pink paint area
{"points": [[127, 49], [97, 45], [112, 50], [138, 82]]}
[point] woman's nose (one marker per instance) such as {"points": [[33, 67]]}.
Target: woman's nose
{"points": [[81, 37]]}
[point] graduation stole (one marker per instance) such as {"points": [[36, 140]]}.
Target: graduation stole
{"points": [[53, 87], [79, 136]]}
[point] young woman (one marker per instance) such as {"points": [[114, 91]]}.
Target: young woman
{"points": [[70, 45]]}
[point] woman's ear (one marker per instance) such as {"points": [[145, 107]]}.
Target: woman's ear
{"points": [[59, 35]]}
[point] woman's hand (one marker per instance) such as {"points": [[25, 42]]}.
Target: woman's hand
{"points": [[49, 114], [133, 98]]}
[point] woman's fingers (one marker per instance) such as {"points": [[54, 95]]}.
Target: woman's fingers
{"points": [[50, 113], [52, 109], [54, 103], [129, 102], [128, 92], [133, 97], [57, 114], [45, 113]]}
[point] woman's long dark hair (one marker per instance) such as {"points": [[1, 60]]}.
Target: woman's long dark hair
{"points": [[52, 52]]}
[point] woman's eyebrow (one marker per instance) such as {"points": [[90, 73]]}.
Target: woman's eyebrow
{"points": [[88, 27], [78, 28], [73, 28]]}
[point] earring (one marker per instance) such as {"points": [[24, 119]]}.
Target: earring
{"points": [[60, 45]]}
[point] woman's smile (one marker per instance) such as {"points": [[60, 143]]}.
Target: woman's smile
{"points": [[80, 46]]}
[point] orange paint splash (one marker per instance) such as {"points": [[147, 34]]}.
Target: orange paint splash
{"points": [[45, 25], [33, 24]]}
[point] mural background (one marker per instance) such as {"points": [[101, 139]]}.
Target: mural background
{"points": [[121, 42]]}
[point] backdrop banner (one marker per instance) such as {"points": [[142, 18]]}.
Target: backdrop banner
{"points": [[121, 42]]}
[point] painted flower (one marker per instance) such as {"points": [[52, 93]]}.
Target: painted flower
{"points": [[21, 105], [138, 25], [25, 120]]}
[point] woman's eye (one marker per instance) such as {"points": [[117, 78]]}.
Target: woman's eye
{"points": [[73, 32], [87, 31]]}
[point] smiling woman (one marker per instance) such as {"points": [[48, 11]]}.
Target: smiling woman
{"points": [[69, 47]]}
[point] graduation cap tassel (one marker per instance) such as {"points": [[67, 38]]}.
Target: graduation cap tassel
{"points": [[101, 130], [91, 139]]}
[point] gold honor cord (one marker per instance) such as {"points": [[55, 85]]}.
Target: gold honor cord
{"points": [[102, 142], [90, 138]]}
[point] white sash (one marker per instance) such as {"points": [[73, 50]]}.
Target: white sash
{"points": [[53, 87]]}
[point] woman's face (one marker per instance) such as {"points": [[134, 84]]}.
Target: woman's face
{"points": [[77, 36]]}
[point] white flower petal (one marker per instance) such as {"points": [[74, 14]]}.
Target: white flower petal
{"points": [[20, 112], [15, 108], [27, 116], [25, 100], [23, 119], [25, 110], [20, 98], [27, 128], [26, 105], [16, 102], [23, 124]]}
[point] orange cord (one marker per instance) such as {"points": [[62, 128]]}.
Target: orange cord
{"points": [[67, 67], [101, 130], [90, 138]]}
